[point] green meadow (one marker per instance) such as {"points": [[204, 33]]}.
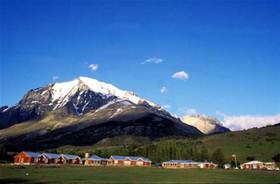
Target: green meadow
{"points": [[88, 175]]}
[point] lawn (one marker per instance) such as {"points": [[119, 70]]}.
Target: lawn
{"points": [[87, 175]]}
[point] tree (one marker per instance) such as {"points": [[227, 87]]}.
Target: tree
{"points": [[3, 152], [233, 164], [218, 157], [194, 154], [204, 153], [250, 158], [276, 158]]}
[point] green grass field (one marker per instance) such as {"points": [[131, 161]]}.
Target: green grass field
{"points": [[88, 175]]}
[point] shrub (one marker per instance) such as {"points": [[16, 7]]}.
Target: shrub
{"points": [[3, 152], [276, 158]]}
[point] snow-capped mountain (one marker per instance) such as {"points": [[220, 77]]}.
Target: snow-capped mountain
{"points": [[82, 112], [63, 92], [206, 124], [76, 97]]}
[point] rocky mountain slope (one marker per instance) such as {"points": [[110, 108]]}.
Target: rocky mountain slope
{"points": [[76, 97], [206, 124], [81, 112]]}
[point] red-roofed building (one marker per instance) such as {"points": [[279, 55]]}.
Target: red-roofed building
{"points": [[26, 158]]}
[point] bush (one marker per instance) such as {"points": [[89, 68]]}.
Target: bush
{"points": [[270, 134], [276, 158], [248, 146], [3, 152]]}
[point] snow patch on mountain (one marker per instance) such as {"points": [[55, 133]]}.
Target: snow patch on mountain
{"points": [[61, 92], [118, 111]]}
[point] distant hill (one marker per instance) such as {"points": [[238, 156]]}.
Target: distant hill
{"points": [[206, 124]]}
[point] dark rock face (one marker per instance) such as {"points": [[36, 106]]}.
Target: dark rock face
{"points": [[15, 115], [36, 103], [3, 108], [32, 106], [85, 101]]}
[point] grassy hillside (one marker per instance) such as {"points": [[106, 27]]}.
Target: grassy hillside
{"points": [[87, 175], [262, 144]]}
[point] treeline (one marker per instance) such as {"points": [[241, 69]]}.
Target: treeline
{"points": [[173, 149], [167, 150], [181, 150]]}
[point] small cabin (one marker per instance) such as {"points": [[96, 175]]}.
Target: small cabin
{"points": [[116, 160], [258, 165], [252, 165], [188, 164], [69, 159], [48, 158], [95, 160], [26, 158]]}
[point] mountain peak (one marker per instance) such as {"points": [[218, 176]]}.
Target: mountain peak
{"points": [[63, 90]]}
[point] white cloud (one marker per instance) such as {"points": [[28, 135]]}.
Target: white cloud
{"points": [[55, 77], [182, 75], [163, 89], [166, 106], [93, 67], [248, 121], [153, 60]]}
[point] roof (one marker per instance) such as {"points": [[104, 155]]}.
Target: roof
{"points": [[254, 162], [269, 163], [51, 155], [68, 156], [180, 161], [185, 162], [133, 158], [95, 157], [32, 154]]}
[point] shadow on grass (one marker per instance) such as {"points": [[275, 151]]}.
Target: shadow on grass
{"points": [[17, 180]]}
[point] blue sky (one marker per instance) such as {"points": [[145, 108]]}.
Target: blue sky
{"points": [[230, 50]]}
